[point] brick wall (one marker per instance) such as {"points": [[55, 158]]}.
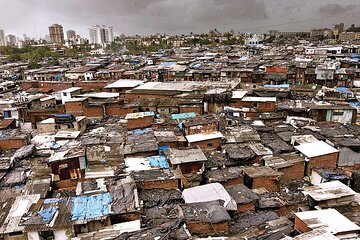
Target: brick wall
{"points": [[301, 226], [287, 210], [7, 144], [202, 228], [58, 86], [266, 107], [196, 109], [239, 103], [161, 184], [117, 110], [55, 86], [233, 182], [140, 122], [205, 128], [247, 207], [215, 143], [27, 85], [130, 97], [94, 111], [272, 184], [325, 161], [75, 108], [295, 172], [92, 85]]}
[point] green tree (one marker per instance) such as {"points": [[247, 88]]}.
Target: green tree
{"points": [[33, 65]]}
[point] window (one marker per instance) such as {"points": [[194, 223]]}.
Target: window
{"points": [[47, 235], [338, 113], [7, 114], [255, 104], [15, 233], [210, 145]]}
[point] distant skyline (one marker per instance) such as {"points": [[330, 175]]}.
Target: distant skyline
{"points": [[173, 16]]}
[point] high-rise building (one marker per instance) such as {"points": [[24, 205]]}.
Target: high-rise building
{"points": [[11, 40], [2, 38], [56, 34], [47, 38], [26, 38], [100, 34], [70, 34]]}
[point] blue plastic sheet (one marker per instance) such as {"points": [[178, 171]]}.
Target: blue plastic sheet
{"points": [[90, 207], [343, 89], [277, 86], [51, 200], [141, 131], [158, 161], [183, 115], [47, 214]]}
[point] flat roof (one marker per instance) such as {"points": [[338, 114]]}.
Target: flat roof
{"points": [[259, 149], [202, 137], [136, 164], [21, 206], [261, 171], [238, 94], [302, 139], [259, 99], [72, 89], [100, 95], [329, 219], [125, 83], [209, 192], [139, 115], [328, 191], [183, 86], [67, 134], [177, 156], [46, 98], [48, 120], [316, 149], [75, 99]]}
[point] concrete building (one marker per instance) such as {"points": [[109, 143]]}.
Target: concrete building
{"points": [[11, 40], [349, 36], [70, 34], [2, 38], [100, 34], [56, 34]]}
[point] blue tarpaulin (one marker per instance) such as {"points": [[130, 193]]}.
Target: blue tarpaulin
{"points": [[63, 115], [58, 77], [277, 86], [167, 64], [146, 114], [158, 161], [90, 207], [164, 148], [183, 115], [354, 104], [51, 200], [343, 89], [47, 214], [141, 131]]}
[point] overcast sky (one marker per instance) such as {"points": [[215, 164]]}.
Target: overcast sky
{"points": [[174, 16]]}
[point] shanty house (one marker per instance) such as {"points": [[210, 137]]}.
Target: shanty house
{"points": [[186, 160], [318, 155], [262, 177]]}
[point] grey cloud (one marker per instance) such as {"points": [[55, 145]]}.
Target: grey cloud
{"points": [[171, 16], [336, 9]]}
